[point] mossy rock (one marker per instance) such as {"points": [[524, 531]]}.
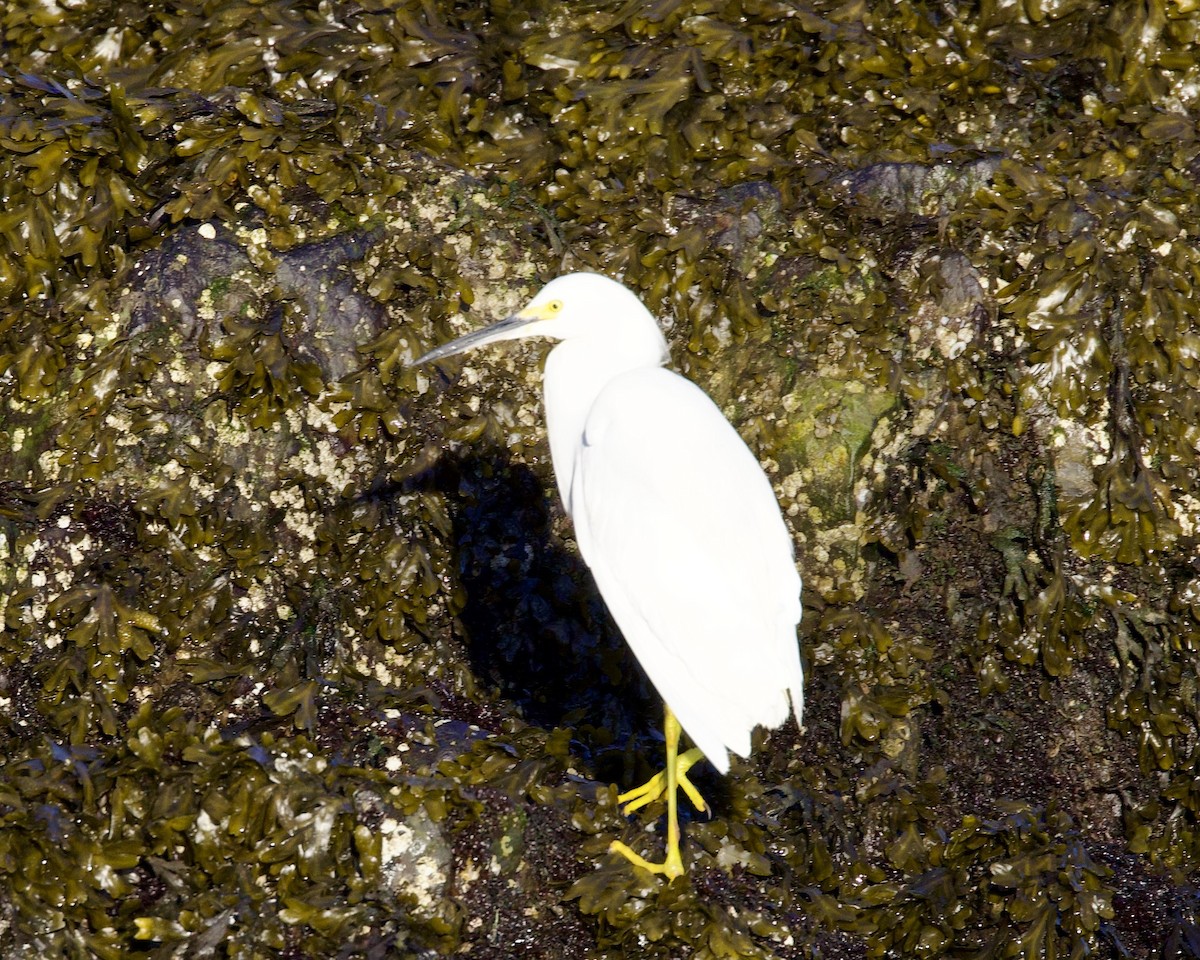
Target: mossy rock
{"points": [[269, 597]]}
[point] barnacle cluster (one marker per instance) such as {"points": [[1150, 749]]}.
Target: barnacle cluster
{"points": [[296, 658]]}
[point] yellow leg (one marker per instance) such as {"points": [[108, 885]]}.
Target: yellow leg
{"points": [[656, 786], [668, 781]]}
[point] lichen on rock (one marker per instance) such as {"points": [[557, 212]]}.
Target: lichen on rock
{"points": [[297, 657]]}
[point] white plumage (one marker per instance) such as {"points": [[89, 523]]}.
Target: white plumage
{"points": [[682, 532], [672, 512]]}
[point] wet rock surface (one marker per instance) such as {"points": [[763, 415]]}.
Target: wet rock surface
{"points": [[298, 658]]}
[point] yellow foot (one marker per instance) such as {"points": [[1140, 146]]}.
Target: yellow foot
{"points": [[670, 868], [664, 784], [654, 789]]}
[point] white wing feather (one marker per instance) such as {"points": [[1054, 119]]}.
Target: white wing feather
{"points": [[682, 531]]}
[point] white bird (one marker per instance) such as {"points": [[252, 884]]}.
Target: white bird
{"points": [[676, 520]]}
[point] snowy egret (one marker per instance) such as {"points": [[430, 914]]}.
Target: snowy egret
{"points": [[677, 522]]}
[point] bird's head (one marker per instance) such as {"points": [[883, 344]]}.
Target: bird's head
{"points": [[574, 306]]}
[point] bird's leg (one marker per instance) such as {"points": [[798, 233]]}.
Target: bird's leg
{"points": [[668, 781], [654, 788]]}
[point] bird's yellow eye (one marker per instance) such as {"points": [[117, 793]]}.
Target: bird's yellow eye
{"points": [[554, 306]]}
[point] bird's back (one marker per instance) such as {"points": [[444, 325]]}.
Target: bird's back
{"points": [[682, 531]]}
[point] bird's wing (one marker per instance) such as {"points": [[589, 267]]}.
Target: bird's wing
{"points": [[682, 531]]}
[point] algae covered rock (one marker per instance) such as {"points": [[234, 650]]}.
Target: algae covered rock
{"points": [[297, 657]]}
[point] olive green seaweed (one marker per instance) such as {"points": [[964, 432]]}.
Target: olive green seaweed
{"points": [[297, 657]]}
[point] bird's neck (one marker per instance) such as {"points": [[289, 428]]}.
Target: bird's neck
{"points": [[576, 371]]}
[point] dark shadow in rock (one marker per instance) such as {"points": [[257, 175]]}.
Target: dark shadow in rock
{"points": [[534, 622]]}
